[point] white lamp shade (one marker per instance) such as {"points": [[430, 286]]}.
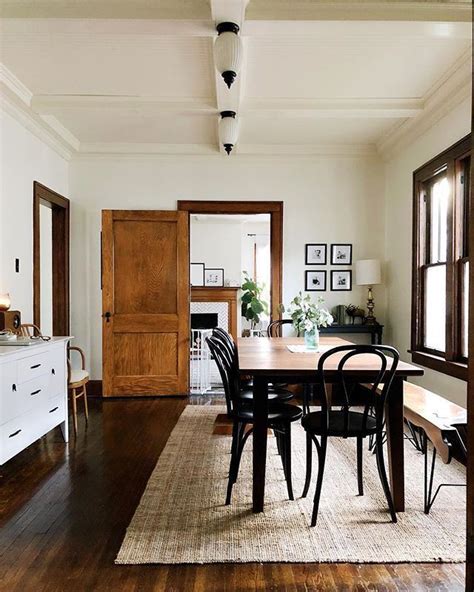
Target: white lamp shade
{"points": [[228, 130], [228, 52], [368, 272]]}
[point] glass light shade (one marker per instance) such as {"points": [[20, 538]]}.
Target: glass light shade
{"points": [[5, 302], [368, 272], [228, 131], [228, 55]]}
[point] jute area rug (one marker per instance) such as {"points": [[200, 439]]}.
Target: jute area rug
{"points": [[182, 517]]}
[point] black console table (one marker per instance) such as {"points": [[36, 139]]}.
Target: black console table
{"points": [[375, 331]]}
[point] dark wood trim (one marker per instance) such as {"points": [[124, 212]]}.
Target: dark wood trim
{"points": [[451, 361], [470, 407], [60, 237], [275, 209], [434, 362]]}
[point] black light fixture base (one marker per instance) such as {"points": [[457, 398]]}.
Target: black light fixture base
{"points": [[228, 114], [227, 27], [229, 77], [228, 148]]}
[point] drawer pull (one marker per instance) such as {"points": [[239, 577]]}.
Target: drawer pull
{"points": [[35, 392], [53, 410], [14, 434], [53, 371], [35, 366], [14, 388]]}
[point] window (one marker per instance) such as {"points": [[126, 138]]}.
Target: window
{"points": [[441, 261]]}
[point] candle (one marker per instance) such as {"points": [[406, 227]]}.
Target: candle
{"points": [[5, 301]]}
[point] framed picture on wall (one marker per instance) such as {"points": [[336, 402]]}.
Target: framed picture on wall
{"points": [[315, 281], [341, 254], [196, 274], [213, 277], [341, 280], [316, 254]]}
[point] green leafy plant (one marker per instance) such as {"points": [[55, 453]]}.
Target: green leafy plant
{"points": [[308, 315], [253, 306]]}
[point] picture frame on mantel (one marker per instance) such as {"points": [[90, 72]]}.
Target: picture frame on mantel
{"points": [[214, 277], [196, 274]]}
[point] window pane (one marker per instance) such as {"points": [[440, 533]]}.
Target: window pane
{"points": [[435, 307], [439, 220], [465, 309]]}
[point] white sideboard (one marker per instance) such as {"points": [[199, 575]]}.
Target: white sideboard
{"points": [[33, 394]]}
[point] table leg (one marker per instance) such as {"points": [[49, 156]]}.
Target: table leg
{"points": [[260, 413], [396, 456]]}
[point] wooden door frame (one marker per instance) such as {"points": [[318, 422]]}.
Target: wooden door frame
{"points": [[275, 209], [60, 253], [470, 402]]}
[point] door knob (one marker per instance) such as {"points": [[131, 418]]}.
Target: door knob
{"points": [[107, 316]]}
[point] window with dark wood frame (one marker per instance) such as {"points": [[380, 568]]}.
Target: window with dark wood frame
{"points": [[440, 289]]}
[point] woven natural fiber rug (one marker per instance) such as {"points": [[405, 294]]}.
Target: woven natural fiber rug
{"points": [[182, 517]]}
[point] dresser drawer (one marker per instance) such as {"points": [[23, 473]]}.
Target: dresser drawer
{"points": [[33, 366], [24, 397], [16, 435], [54, 412]]}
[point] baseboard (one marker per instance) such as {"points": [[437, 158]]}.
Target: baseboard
{"points": [[94, 388]]}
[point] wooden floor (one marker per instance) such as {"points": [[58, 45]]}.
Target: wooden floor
{"points": [[64, 511]]}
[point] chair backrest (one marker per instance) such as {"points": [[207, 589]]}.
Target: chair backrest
{"points": [[275, 328], [335, 362], [29, 330], [228, 370]]}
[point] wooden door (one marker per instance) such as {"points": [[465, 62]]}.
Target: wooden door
{"points": [[145, 302]]}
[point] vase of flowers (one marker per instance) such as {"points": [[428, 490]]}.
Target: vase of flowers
{"points": [[308, 317]]}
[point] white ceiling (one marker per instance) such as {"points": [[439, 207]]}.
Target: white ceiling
{"points": [[149, 84]]}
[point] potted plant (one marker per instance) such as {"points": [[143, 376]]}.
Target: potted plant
{"points": [[253, 306], [308, 317]]}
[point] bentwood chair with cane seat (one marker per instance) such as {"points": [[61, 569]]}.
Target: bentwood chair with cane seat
{"points": [[346, 422], [275, 328], [77, 385], [280, 417]]}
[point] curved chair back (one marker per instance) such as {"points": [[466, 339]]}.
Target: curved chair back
{"points": [[275, 328], [228, 371], [337, 362]]}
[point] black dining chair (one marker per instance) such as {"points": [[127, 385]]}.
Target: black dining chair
{"points": [[347, 422], [275, 328], [246, 386], [280, 417]]}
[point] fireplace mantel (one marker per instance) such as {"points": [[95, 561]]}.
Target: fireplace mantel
{"points": [[228, 294]]}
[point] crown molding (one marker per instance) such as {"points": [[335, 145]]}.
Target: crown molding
{"points": [[16, 98], [445, 95]]}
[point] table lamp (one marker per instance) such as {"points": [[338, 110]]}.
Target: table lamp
{"points": [[368, 273]]}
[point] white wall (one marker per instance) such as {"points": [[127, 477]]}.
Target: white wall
{"points": [[325, 200], [23, 159], [398, 196]]}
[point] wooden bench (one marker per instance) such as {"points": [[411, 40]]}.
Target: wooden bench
{"points": [[432, 417]]}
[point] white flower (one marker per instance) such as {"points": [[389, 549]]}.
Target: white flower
{"points": [[308, 325]]}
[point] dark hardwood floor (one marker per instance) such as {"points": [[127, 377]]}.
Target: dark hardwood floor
{"points": [[64, 511]]}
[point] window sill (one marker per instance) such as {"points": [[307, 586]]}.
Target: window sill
{"points": [[455, 369]]}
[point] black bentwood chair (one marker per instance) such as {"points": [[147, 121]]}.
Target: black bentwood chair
{"points": [[275, 392], [344, 423], [280, 417]]}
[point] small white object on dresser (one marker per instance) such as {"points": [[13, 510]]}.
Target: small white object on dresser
{"points": [[33, 393]]}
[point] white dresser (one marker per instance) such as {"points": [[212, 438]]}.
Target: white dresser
{"points": [[33, 394]]}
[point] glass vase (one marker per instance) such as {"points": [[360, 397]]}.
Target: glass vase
{"points": [[311, 339]]}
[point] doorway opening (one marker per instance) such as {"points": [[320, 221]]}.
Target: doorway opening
{"points": [[50, 261]]}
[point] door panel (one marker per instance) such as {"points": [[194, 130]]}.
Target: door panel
{"points": [[145, 263]]}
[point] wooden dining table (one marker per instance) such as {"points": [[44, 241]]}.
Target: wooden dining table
{"points": [[270, 360]]}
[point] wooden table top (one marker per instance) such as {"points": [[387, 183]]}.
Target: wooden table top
{"points": [[271, 356]]}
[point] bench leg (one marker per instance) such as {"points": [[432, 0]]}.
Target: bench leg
{"points": [[428, 498]]}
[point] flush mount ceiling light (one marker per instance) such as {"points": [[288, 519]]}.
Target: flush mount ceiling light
{"points": [[228, 130], [228, 51]]}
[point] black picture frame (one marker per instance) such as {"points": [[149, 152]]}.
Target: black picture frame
{"points": [[336, 259], [220, 281], [347, 287], [311, 275], [307, 251], [195, 270]]}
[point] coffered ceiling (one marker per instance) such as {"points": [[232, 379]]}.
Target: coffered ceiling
{"points": [[138, 77]]}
